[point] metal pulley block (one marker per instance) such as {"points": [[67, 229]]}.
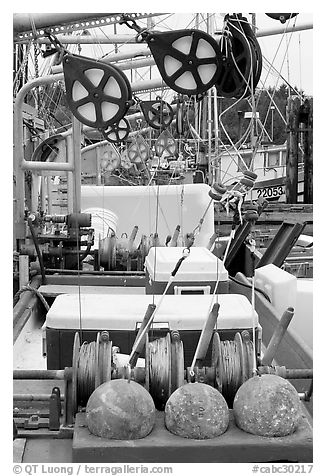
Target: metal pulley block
{"points": [[241, 58], [138, 151], [158, 114], [282, 17], [109, 158], [180, 116], [98, 94], [117, 132], [189, 61], [165, 144], [125, 161]]}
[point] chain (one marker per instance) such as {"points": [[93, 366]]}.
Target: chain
{"points": [[21, 69], [36, 53]]}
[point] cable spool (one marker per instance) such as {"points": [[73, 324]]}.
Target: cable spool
{"points": [[164, 367], [91, 366], [107, 251], [233, 363], [159, 363]]}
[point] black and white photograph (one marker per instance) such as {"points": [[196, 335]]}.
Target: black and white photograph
{"points": [[162, 242]]}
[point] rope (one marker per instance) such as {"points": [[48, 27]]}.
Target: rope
{"points": [[33, 290]]}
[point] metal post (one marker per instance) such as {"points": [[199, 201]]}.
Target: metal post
{"points": [[76, 135]]}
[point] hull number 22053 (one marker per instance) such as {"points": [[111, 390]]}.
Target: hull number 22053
{"points": [[269, 192]]}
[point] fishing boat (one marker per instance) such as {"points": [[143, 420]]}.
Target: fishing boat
{"points": [[128, 292]]}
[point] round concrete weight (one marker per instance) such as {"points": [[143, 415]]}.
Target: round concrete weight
{"points": [[267, 405], [120, 410], [196, 411]]}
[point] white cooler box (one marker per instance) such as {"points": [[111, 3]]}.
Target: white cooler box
{"points": [[121, 315], [196, 275]]}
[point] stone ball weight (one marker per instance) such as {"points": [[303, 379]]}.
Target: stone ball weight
{"points": [[121, 410], [196, 411], [267, 405]]}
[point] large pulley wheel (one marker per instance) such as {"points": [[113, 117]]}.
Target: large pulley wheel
{"points": [[109, 159], [189, 61], [235, 77], [117, 132], [138, 151], [166, 144], [158, 114], [98, 94], [242, 58], [257, 59], [125, 160]]}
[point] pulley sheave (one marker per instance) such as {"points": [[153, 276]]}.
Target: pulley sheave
{"points": [[98, 94], [165, 143], [189, 61], [241, 58], [158, 114], [117, 132], [138, 151]]}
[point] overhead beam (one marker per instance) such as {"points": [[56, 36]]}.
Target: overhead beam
{"points": [[132, 39], [27, 26]]}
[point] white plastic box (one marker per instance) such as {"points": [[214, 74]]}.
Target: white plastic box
{"points": [[197, 274], [285, 290], [279, 285], [121, 312], [121, 315]]}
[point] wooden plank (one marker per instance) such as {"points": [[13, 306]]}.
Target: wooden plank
{"points": [[160, 446]]}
